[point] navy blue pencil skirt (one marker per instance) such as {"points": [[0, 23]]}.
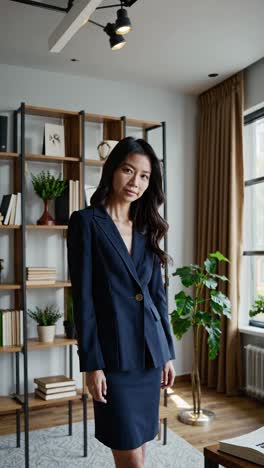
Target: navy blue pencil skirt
{"points": [[131, 415]]}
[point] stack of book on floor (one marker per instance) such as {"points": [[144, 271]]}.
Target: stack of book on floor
{"points": [[249, 446], [55, 387], [11, 327], [40, 275], [10, 209]]}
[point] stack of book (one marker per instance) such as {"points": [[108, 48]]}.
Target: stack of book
{"points": [[10, 209], [67, 202], [11, 327], [248, 446], [54, 387], [40, 275]]}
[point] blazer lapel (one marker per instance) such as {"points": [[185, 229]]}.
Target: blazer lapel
{"points": [[105, 222]]}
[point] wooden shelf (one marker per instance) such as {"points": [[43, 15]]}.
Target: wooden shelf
{"points": [[9, 405], [6, 286], [142, 123], [44, 157], [60, 340], [10, 226], [35, 401], [100, 118], [10, 349], [57, 284], [45, 228], [34, 343], [94, 162], [9, 156], [47, 112]]}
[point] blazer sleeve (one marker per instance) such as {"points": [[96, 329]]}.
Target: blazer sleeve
{"points": [[80, 267], [158, 295]]}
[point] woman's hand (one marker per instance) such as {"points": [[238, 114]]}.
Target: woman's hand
{"points": [[96, 382], [168, 375]]}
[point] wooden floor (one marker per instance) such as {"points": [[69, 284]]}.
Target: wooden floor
{"points": [[234, 416]]}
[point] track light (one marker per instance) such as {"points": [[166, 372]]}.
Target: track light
{"points": [[123, 23], [116, 40]]}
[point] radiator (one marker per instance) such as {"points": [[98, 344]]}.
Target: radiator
{"points": [[255, 371]]}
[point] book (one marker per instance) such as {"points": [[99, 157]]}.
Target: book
{"points": [[50, 391], [8, 213], [55, 396], [39, 281], [3, 133], [62, 206], [249, 446], [53, 381]]}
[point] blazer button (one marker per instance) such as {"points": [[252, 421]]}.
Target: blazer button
{"points": [[139, 297]]}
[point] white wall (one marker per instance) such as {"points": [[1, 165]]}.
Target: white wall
{"points": [[56, 90]]}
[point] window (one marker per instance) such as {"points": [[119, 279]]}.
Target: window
{"points": [[252, 278]]}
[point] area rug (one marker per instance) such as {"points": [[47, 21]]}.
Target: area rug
{"points": [[53, 447]]}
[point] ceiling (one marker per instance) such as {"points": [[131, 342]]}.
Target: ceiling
{"points": [[175, 44]]}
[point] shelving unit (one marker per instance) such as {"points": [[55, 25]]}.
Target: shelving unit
{"points": [[74, 165]]}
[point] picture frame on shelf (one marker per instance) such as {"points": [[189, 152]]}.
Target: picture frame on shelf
{"points": [[54, 140]]}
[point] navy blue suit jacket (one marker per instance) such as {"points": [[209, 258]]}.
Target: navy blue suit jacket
{"points": [[119, 300]]}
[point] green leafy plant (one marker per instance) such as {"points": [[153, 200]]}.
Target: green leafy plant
{"points": [[48, 315], [46, 186], [197, 311], [258, 306]]}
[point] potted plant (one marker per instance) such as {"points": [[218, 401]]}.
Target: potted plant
{"points": [[69, 325], [191, 311], [257, 309], [47, 187], [46, 319]]}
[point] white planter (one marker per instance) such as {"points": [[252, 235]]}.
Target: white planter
{"points": [[46, 333]]}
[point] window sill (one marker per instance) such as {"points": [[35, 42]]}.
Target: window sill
{"points": [[250, 330]]}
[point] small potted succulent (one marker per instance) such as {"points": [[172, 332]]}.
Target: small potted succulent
{"points": [[46, 319], [69, 325], [47, 187], [257, 312]]}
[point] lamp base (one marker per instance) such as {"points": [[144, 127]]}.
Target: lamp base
{"points": [[187, 416]]}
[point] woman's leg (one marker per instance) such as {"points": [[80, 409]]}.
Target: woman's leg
{"points": [[129, 458]]}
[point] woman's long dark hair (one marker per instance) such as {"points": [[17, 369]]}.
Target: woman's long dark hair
{"points": [[144, 211]]}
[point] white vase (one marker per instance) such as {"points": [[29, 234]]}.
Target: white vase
{"points": [[105, 148], [46, 333]]}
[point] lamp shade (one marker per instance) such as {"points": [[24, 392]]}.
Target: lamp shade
{"points": [[123, 23], [116, 41]]}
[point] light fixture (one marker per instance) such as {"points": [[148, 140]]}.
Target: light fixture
{"points": [[116, 40], [123, 23], [77, 13]]}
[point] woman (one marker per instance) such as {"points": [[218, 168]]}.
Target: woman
{"points": [[124, 339]]}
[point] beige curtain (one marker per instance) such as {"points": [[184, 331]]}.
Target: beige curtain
{"points": [[219, 207]]}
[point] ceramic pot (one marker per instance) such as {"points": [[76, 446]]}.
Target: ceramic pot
{"points": [[46, 333]]}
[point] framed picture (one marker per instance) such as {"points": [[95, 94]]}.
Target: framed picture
{"points": [[54, 140]]}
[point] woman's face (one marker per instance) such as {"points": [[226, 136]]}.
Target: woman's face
{"points": [[131, 178]]}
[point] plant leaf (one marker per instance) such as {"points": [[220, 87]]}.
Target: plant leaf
{"points": [[210, 265], [188, 275], [220, 303], [180, 325], [213, 341], [219, 256], [221, 277], [184, 303], [209, 283]]}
